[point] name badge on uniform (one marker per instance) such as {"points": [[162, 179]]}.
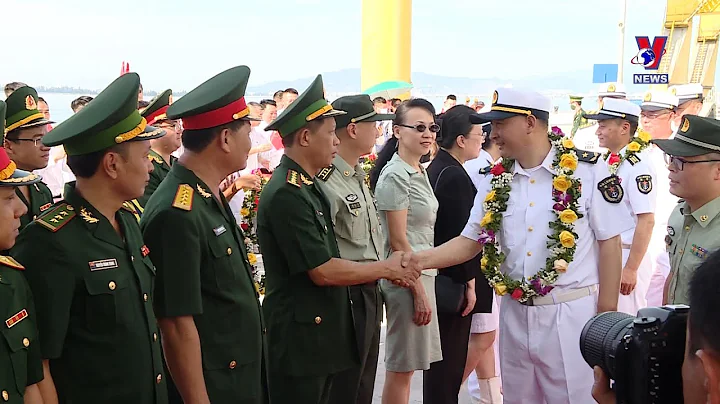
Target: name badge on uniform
{"points": [[355, 205], [103, 264], [219, 230], [20, 316]]}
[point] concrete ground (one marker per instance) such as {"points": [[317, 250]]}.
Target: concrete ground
{"points": [[416, 388]]}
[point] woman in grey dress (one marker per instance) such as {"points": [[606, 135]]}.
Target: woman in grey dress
{"points": [[407, 207]]}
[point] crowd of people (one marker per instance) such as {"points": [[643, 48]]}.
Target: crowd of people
{"points": [[485, 235]]}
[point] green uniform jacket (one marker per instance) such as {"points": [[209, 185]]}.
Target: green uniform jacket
{"points": [[203, 271], [310, 330], [692, 236], [20, 362], [160, 171], [579, 122], [93, 293], [41, 199]]}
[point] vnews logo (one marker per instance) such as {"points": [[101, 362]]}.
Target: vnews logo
{"points": [[649, 57]]}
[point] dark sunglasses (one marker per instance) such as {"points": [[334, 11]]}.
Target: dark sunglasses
{"points": [[421, 127]]}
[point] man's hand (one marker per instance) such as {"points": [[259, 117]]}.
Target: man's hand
{"points": [[248, 181], [402, 270], [628, 281], [471, 298], [423, 309], [601, 391]]}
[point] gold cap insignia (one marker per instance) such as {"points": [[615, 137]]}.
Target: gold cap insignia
{"points": [[30, 102], [673, 91], [611, 88], [495, 97], [648, 96], [685, 125]]}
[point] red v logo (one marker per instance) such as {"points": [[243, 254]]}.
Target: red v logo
{"points": [[657, 46]]}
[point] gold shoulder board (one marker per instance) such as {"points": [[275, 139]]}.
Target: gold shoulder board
{"points": [[485, 170], [293, 178], [55, 219], [154, 159], [587, 156], [633, 159], [326, 172], [10, 262], [183, 197]]}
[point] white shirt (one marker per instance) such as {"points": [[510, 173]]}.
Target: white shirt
{"points": [[474, 166], [525, 223], [666, 202], [638, 198], [586, 139]]}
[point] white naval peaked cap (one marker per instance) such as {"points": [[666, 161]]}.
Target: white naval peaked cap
{"points": [[612, 90], [614, 108], [687, 92], [659, 100], [509, 102]]}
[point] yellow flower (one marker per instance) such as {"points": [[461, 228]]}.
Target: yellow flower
{"points": [[568, 143], [561, 183], [244, 212], [567, 239], [644, 136], [490, 196], [568, 161], [568, 216], [483, 262], [633, 146], [500, 288], [560, 266], [486, 219], [252, 259]]}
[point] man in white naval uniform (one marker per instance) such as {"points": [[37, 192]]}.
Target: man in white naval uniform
{"points": [[585, 138], [690, 101], [658, 112], [539, 340], [629, 159]]}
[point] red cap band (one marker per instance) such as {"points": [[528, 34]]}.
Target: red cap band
{"points": [[233, 111], [4, 159], [159, 114]]}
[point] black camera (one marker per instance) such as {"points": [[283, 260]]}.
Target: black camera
{"points": [[643, 355]]}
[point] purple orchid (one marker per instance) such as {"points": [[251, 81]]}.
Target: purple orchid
{"points": [[486, 236], [559, 207], [557, 131], [538, 287]]}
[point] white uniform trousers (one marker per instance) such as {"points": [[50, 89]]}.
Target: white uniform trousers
{"points": [[486, 322], [661, 270], [637, 299], [540, 352]]}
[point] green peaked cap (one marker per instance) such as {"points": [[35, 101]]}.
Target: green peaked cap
{"points": [[22, 110], [359, 108], [217, 101], [157, 107], [310, 105], [576, 98], [10, 176], [696, 136], [110, 119]]}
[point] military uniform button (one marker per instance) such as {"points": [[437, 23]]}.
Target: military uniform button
{"points": [[680, 251], [229, 251], [264, 330], [26, 342], [532, 204], [158, 378], [132, 259], [529, 254], [325, 227], [5, 395], [145, 297], [687, 228], [530, 228], [532, 181], [154, 336], [318, 320], [232, 365], [112, 285]]}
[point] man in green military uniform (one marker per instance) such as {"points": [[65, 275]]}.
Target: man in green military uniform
{"points": [[307, 305], [206, 300], [25, 127], [20, 361], [87, 265], [161, 149], [579, 121], [693, 231], [359, 237]]}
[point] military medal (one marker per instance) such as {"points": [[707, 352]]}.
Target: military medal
{"points": [[699, 251], [20, 316], [145, 251], [45, 207], [611, 190]]}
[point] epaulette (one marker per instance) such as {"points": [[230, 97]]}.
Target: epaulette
{"points": [[326, 172], [293, 178], [633, 158], [485, 170], [587, 156], [56, 218], [154, 159], [10, 262], [183, 197], [134, 208]]}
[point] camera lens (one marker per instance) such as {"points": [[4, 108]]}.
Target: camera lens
{"points": [[601, 336]]}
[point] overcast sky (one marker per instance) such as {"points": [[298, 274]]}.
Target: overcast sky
{"points": [[180, 43]]}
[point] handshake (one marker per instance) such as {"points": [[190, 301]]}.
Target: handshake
{"points": [[403, 268]]}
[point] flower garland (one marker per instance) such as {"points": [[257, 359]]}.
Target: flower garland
{"points": [[367, 163], [561, 243], [248, 224], [638, 143]]}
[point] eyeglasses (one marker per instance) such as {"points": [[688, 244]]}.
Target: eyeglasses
{"points": [[654, 114], [421, 127], [37, 142], [679, 163], [176, 126]]}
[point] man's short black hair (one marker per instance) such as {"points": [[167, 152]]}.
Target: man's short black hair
{"points": [[278, 94], [268, 102], [198, 140], [379, 100], [41, 99], [705, 306], [291, 91], [143, 103], [80, 101], [452, 97], [11, 87], [86, 165]]}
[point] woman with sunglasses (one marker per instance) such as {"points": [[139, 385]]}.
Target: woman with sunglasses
{"points": [[407, 208]]}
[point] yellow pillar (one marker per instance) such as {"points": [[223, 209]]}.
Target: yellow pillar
{"points": [[386, 28]]}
